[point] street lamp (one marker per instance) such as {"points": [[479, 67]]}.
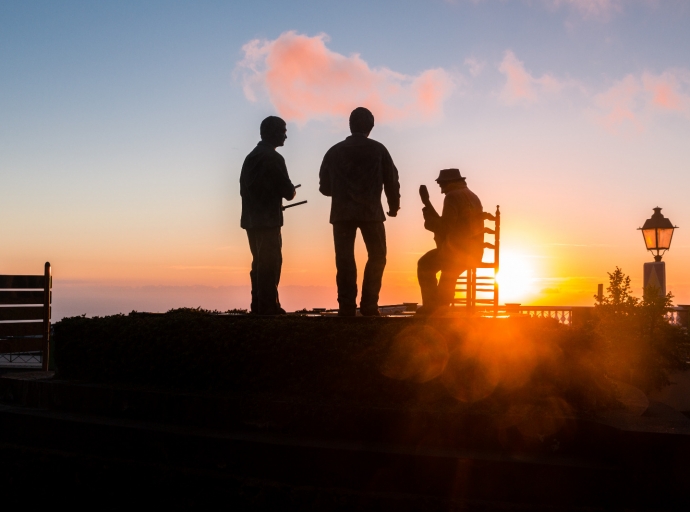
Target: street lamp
{"points": [[657, 232]]}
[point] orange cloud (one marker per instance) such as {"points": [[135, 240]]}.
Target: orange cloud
{"points": [[305, 80], [633, 99], [520, 85], [618, 105], [665, 90]]}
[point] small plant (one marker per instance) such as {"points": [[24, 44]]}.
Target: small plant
{"points": [[637, 343]]}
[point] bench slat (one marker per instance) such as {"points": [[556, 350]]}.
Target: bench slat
{"points": [[22, 297], [31, 313], [25, 345], [22, 281], [25, 329]]}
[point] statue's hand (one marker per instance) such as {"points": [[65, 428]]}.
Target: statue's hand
{"points": [[424, 194]]}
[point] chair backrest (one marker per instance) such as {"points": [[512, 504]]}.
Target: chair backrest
{"points": [[25, 311], [472, 282], [496, 232]]}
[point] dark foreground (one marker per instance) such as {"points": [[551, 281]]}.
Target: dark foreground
{"points": [[107, 447], [192, 411]]}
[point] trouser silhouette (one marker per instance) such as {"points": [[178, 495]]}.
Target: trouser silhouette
{"points": [[439, 293], [374, 235], [266, 247]]}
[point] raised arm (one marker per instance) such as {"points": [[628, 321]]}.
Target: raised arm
{"points": [[432, 220]]}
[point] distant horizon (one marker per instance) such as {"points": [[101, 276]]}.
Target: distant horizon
{"points": [[97, 299]]}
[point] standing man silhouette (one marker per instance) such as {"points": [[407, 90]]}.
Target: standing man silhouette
{"points": [[264, 182], [353, 174]]}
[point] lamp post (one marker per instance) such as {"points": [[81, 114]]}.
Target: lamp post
{"points": [[657, 232]]}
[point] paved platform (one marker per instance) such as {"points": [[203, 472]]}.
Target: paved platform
{"points": [[165, 449]]}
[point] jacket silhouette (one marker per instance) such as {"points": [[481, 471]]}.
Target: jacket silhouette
{"points": [[459, 230], [459, 236], [353, 173], [264, 183]]}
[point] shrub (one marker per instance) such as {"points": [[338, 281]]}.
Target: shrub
{"points": [[435, 363], [637, 343]]}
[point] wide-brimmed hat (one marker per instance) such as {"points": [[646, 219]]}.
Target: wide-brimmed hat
{"points": [[449, 175]]}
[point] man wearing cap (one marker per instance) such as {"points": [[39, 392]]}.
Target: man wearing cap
{"points": [[459, 236], [354, 172], [264, 183]]}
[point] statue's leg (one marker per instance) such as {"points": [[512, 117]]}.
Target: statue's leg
{"points": [[374, 235], [253, 247], [450, 271], [346, 267], [427, 268]]}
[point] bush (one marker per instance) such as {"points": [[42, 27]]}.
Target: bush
{"points": [[440, 363], [637, 343]]}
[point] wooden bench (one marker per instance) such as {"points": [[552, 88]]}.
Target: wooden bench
{"points": [[25, 316]]}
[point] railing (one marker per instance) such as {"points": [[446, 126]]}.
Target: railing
{"points": [[567, 315], [21, 360], [564, 314]]}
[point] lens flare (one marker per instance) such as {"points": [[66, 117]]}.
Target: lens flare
{"points": [[516, 277], [418, 353]]}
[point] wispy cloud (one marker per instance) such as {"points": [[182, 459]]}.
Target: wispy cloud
{"points": [[600, 9], [521, 86], [305, 80], [620, 103], [475, 66], [579, 245], [222, 268], [631, 102], [588, 9], [666, 90]]}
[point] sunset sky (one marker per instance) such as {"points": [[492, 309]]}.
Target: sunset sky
{"points": [[124, 126]]}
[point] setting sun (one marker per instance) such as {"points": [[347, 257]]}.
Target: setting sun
{"points": [[516, 277]]}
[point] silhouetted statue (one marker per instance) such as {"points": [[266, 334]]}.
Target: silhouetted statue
{"points": [[353, 173], [459, 236], [264, 182]]}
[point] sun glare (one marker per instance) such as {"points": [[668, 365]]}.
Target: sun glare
{"points": [[515, 277]]}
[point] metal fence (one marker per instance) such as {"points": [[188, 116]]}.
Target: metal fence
{"points": [[21, 360], [563, 314]]}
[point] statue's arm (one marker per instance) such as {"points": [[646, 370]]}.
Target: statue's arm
{"points": [[432, 220], [283, 182]]}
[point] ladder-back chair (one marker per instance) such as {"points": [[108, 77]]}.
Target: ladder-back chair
{"points": [[478, 287], [25, 318]]}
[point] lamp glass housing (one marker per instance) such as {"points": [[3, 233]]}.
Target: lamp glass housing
{"points": [[664, 236], [657, 232], [649, 238]]}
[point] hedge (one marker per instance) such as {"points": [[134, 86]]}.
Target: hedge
{"points": [[440, 363]]}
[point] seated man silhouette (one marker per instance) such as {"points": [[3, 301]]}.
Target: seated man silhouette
{"points": [[264, 183], [354, 172], [459, 236]]}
